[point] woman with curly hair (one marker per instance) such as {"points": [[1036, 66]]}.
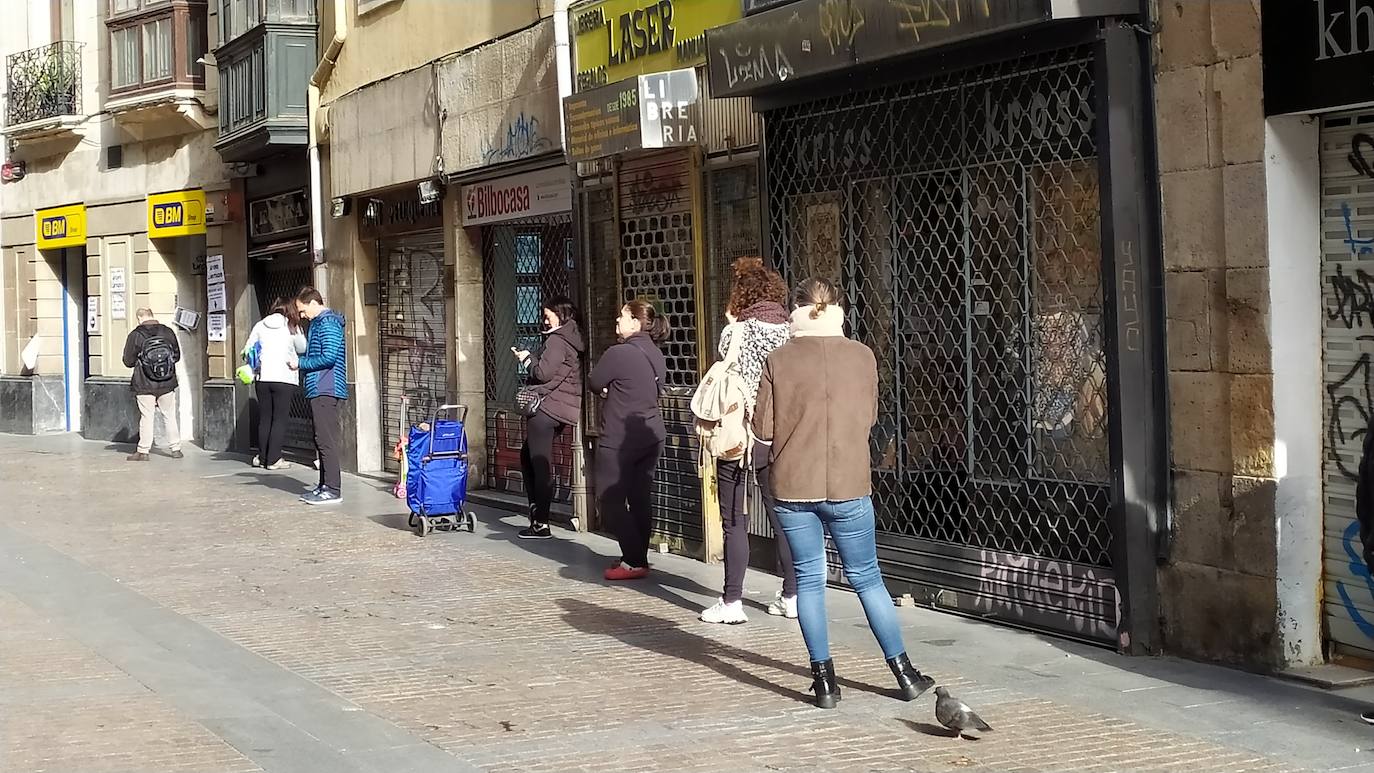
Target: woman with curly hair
{"points": [[755, 312]]}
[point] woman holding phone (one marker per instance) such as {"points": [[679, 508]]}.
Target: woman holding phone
{"points": [[556, 374]]}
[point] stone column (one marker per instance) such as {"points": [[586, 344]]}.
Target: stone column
{"points": [[465, 247]]}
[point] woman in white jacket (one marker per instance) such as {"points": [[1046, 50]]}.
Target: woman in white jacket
{"points": [[280, 343]]}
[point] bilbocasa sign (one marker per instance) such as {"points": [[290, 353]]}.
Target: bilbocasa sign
{"points": [[545, 192]]}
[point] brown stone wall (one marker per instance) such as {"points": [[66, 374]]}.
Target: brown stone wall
{"points": [[1217, 593]]}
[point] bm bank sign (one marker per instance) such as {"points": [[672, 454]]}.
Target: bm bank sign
{"points": [[59, 227], [178, 213]]}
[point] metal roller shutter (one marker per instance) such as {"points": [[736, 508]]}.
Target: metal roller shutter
{"points": [[658, 262], [1347, 266], [414, 333]]}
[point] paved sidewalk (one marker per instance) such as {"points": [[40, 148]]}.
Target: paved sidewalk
{"points": [[191, 616]]}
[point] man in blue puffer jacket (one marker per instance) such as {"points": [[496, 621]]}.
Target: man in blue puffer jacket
{"points": [[325, 366]]}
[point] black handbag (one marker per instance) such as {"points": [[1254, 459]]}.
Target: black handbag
{"points": [[528, 400]]}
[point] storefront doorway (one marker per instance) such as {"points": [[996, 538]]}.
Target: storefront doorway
{"points": [[960, 216], [524, 263]]}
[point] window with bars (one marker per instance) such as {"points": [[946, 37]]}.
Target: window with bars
{"points": [[156, 44], [733, 228]]}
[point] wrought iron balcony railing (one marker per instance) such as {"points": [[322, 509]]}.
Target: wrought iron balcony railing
{"points": [[44, 82]]}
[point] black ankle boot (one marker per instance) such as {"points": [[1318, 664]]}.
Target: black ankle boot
{"points": [[823, 684], [911, 682]]}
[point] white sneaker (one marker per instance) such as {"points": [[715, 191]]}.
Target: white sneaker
{"points": [[257, 462], [281, 465], [729, 614], [783, 606]]}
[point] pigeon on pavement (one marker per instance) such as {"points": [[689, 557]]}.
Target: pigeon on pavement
{"points": [[956, 715]]}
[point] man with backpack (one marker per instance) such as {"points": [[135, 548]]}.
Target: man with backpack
{"points": [[151, 350]]}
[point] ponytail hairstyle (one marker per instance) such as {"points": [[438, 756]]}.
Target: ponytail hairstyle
{"points": [[816, 292], [651, 322]]}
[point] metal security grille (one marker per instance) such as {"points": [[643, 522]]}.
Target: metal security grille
{"points": [[414, 334], [525, 263], [960, 216], [1347, 205], [658, 262], [282, 277], [735, 231]]}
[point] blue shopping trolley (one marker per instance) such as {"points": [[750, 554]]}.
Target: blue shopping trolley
{"points": [[437, 473]]}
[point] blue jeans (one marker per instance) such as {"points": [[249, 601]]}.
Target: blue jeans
{"points": [[851, 526]]}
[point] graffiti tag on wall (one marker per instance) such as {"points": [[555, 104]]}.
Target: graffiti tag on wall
{"points": [[521, 138], [1037, 589]]}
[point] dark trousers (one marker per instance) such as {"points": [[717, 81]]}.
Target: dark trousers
{"points": [[325, 409], [536, 462], [734, 483], [274, 411], [624, 487]]}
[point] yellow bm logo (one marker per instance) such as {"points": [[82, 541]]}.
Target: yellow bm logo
{"points": [[54, 227], [167, 215]]}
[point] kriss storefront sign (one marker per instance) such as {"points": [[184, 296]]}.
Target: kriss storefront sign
{"points": [[815, 37], [1318, 54], [660, 110], [545, 192], [178, 213], [619, 39], [59, 227]]}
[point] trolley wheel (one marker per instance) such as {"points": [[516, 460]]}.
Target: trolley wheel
{"points": [[472, 522], [424, 526]]}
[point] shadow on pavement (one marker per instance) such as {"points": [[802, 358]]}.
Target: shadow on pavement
{"points": [[274, 480], [667, 637], [926, 728], [584, 564], [397, 521]]}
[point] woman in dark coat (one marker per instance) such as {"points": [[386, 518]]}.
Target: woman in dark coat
{"points": [[630, 377], [556, 374]]}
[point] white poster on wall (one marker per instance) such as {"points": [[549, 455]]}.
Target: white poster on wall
{"points": [[93, 315], [214, 269], [216, 326], [216, 298], [117, 281], [117, 307]]}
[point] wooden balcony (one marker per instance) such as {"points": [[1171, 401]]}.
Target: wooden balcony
{"points": [[264, 69]]}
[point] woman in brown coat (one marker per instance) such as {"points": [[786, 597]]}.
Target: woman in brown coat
{"points": [[817, 403]]}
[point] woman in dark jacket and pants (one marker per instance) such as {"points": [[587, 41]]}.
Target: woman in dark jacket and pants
{"points": [[630, 377], [557, 374]]}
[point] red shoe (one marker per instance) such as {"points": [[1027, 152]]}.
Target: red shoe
{"points": [[623, 571]]}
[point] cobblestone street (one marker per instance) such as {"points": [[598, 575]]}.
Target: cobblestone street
{"points": [[191, 616]]}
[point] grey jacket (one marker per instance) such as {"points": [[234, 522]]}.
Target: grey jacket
{"points": [[557, 373]]}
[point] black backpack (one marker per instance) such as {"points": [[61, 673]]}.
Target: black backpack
{"points": [[158, 360]]}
